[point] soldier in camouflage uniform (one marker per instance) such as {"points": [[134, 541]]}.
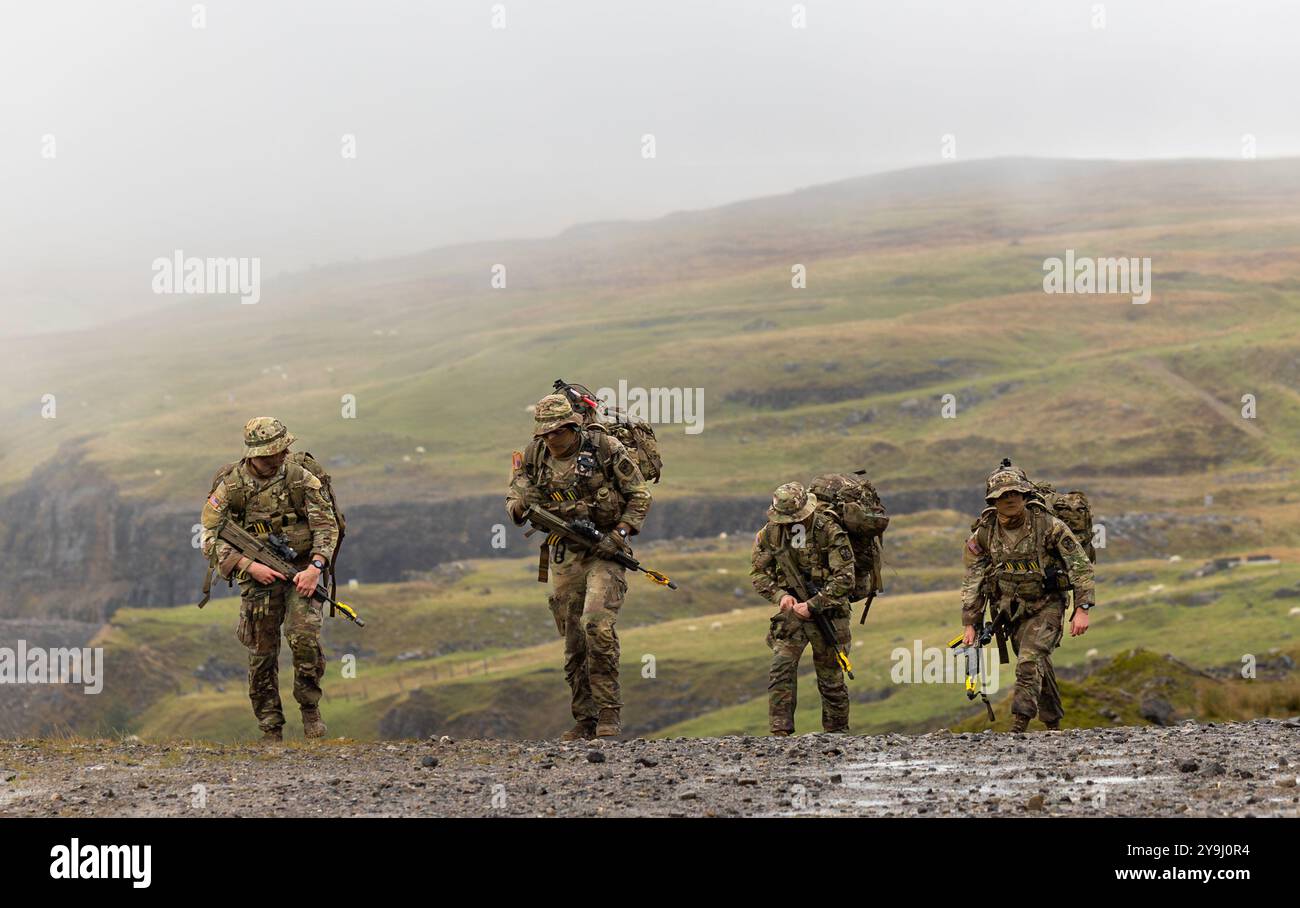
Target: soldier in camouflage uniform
{"points": [[581, 472], [265, 494], [1021, 559], [825, 558]]}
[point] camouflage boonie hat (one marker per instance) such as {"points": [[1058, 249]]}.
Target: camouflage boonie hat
{"points": [[1006, 478], [264, 436], [553, 411], [791, 504]]}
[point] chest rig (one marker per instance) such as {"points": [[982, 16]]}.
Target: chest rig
{"points": [[277, 507], [811, 558], [576, 489], [1022, 570]]}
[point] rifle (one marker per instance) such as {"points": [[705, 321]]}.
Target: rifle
{"points": [[278, 555], [584, 535], [985, 631], [974, 664], [806, 591]]}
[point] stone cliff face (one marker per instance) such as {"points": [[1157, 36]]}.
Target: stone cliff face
{"points": [[71, 546]]}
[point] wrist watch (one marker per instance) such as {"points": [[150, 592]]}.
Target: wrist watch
{"points": [[318, 564], [622, 531], [1086, 606]]}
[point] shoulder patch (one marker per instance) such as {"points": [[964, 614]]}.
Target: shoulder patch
{"points": [[973, 545], [213, 500], [626, 468], [846, 552], [1068, 544], [516, 461]]}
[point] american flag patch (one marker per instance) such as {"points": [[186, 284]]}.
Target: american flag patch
{"points": [[212, 500], [973, 545]]}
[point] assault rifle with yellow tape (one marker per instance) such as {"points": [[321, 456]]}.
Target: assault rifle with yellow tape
{"points": [[583, 535], [276, 553], [975, 663], [806, 590]]}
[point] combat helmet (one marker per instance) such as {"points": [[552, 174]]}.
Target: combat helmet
{"points": [[264, 436], [1007, 478], [791, 503], [553, 411]]}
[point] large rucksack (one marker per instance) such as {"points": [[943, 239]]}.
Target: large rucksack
{"points": [[857, 508], [635, 434], [235, 499], [1074, 511]]}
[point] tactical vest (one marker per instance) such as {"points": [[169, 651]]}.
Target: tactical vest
{"points": [[1026, 572], [588, 491], [279, 507], [810, 557]]}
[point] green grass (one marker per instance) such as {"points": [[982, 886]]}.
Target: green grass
{"points": [[709, 658]]}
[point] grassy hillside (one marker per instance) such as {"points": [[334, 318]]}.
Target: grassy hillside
{"points": [[920, 284], [473, 652]]}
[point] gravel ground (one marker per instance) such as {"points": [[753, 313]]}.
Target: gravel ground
{"points": [[1238, 769]]}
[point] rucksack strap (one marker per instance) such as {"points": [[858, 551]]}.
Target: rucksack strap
{"points": [[599, 448]]}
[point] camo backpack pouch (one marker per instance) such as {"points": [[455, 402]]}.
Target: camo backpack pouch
{"points": [[639, 439], [858, 508], [1073, 510]]}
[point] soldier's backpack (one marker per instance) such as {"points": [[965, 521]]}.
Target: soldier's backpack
{"points": [[1074, 511], [639, 439], [236, 496], [858, 508], [635, 434]]}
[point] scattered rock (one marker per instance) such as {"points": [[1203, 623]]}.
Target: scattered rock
{"points": [[1157, 710]]}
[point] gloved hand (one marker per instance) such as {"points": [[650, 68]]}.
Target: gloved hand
{"points": [[612, 545]]}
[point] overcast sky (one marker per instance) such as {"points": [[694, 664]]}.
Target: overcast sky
{"points": [[226, 140]]}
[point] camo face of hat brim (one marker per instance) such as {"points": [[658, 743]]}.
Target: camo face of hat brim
{"points": [[552, 424], [275, 447], [1023, 490], [809, 506]]}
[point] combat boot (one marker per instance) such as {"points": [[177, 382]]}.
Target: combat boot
{"points": [[607, 725], [312, 726], [584, 730], [1019, 724], [272, 736], [780, 733], [1053, 724]]}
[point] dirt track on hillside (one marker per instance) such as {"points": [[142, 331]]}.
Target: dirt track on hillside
{"points": [[1237, 769]]}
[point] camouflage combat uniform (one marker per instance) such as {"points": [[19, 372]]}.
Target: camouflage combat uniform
{"points": [[1010, 567], [289, 503], [599, 482], [826, 560]]}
